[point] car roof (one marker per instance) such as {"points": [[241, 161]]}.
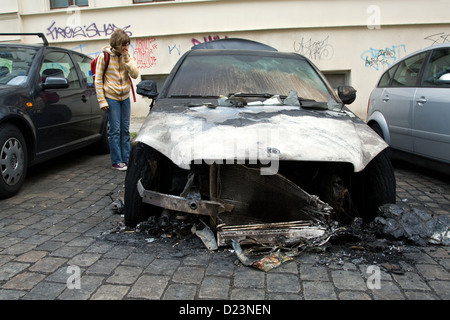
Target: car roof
{"points": [[238, 46], [37, 34], [433, 47], [265, 53], [234, 44], [21, 45], [29, 45], [44, 43], [39, 47]]}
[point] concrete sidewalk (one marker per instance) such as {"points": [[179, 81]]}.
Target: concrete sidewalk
{"points": [[136, 123]]}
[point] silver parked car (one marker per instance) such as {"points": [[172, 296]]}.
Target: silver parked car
{"points": [[410, 108]]}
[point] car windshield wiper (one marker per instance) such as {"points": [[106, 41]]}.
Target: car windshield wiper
{"points": [[304, 101], [192, 96], [313, 104], [254, 95]]}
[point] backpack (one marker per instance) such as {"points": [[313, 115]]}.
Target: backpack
{"points": [[106, 57], [94, 64]]}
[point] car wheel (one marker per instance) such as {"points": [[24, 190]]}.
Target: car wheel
{"points": [[142, 165], [13, 160], [374, 186]]}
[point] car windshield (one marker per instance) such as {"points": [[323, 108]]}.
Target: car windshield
{"points": [[15, 64], [223, 74]]}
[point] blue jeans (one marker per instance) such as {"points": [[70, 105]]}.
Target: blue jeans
{"points": [[119, 130]]}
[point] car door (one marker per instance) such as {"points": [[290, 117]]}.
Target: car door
{"points": [[431, 122], [62, 116], [98, 117], [397, 102]]}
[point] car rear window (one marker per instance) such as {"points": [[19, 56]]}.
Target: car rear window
{"points": [[15, 64]]}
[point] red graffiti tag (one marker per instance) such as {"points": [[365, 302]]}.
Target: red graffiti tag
{"points": [[144, 54]]}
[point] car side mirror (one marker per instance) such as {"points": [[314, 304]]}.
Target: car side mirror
{"points": [[347, 94], [147, 88], [55, 83]]}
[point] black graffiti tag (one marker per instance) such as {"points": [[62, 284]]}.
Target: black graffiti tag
{"points": [[316, 50], [441, 37]]}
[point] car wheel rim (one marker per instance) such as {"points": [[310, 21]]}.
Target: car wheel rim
{"points": [[12, 161]]}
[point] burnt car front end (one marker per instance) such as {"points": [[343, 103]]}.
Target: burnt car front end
{"points": [[257, 142]]}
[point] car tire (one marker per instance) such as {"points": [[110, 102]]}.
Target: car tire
{"points": [[142, 165], [13, 160], [374, 186]]}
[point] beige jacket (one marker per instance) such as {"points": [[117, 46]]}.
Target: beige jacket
{"points": [[114, 83]]}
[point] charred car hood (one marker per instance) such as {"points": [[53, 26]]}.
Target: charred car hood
{"points": [[259, 132]]}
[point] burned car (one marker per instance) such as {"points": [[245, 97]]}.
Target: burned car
{"points": [[255, 139]]}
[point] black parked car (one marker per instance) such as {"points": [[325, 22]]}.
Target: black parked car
{"points": [[48, 107], [244, 134]]}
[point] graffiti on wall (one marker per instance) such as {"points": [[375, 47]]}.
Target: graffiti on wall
{"points": [[380, 59], [82, 31], [314, 49], [205, 39], [438, 38], [175, 48], [144, 52]]}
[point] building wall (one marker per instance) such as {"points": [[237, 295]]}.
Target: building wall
{"points": [[351, 41]]}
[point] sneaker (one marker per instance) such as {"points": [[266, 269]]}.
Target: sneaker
{"points": [[119, 166]]}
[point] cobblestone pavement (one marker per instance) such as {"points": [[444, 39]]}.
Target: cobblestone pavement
{"points": [[59, 228]]}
